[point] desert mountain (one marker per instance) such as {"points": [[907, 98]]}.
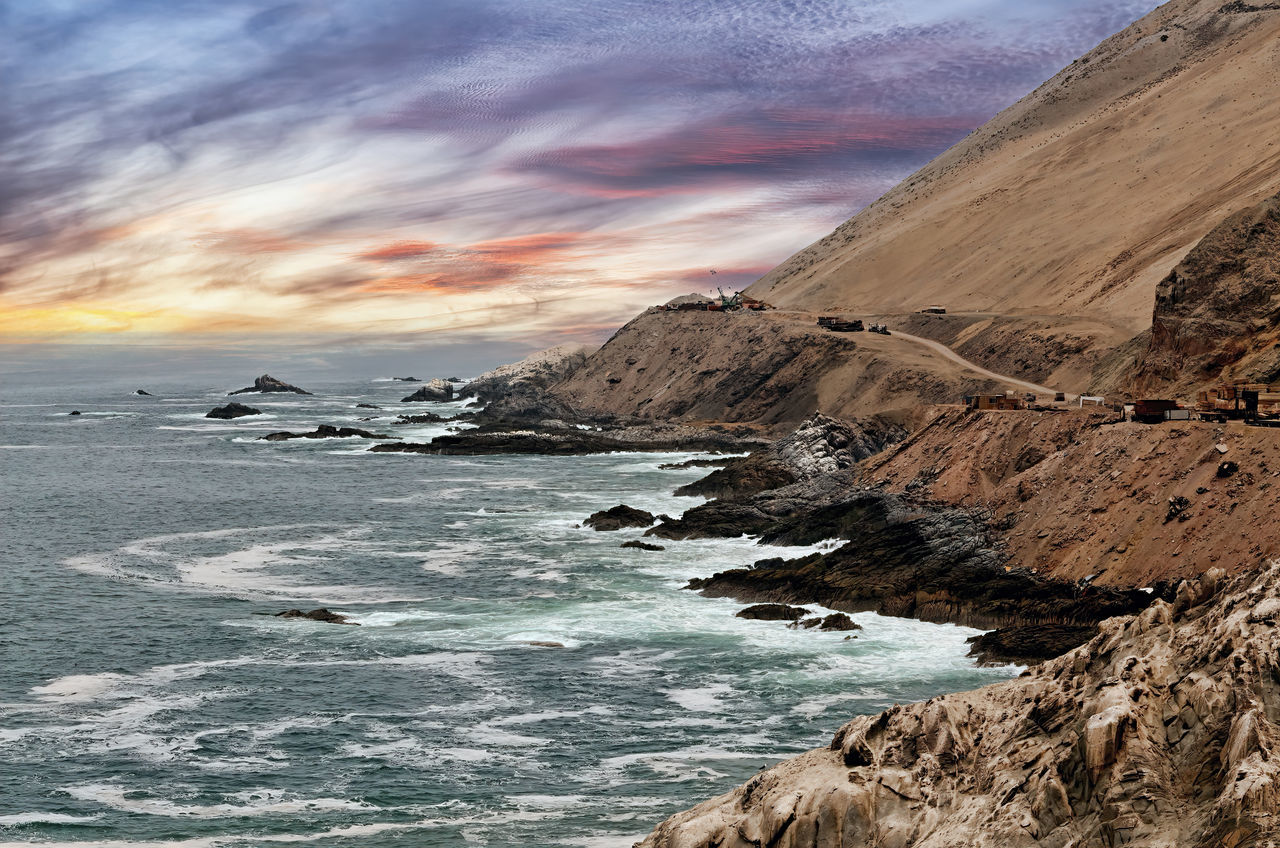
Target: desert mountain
{"points": [[1045, 234], [1079, 198]]}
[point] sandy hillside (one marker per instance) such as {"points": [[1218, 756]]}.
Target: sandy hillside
{"points": [[1078, 199]]}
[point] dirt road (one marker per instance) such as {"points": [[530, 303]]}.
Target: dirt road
{"points": [[950, 354]]}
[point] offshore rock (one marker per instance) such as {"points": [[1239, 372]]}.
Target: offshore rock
{"points": [[321, 614], [1160, 731], [434, 390], [619, 517], [325, 431], [772, 612], [142, 392], [267, 383], [232, 410], [642, 546]]}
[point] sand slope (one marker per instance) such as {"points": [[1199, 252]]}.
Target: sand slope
{"points": [[1076, 200]]}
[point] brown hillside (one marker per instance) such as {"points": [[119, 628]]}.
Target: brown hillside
{"points": [[1080, 493], [1078, 199]]}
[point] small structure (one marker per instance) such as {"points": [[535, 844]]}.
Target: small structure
{"points": [[934, 310], [1004, 402], [1152, 410], [1092, 400]]}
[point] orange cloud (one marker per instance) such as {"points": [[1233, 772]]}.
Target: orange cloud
{"points": [[398, 250]]}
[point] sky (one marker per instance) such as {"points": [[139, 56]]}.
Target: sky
{"points": [[488, 174]]}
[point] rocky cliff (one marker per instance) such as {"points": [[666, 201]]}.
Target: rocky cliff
{"points": [[1217, 313], [1160, 731]]}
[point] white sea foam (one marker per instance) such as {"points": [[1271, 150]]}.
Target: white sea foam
{"points": [[251, 803], [20, 819], [703, 699]]}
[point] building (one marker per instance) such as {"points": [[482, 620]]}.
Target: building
{"points": [[994, 402]]}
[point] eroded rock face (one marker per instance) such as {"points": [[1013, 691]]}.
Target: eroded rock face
{"points": [[433, 390], [232, 410], [267, 383], [821, 445], [1160, 731], [1219, 308]]}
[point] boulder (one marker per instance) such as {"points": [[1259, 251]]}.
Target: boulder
{"points": [[142, 392], [435, 390], [74, 412], [321, 614], [232, 410], [406, 379], [772, 612], [642, 546], [367, 406], [266, 384], [619, 517]]}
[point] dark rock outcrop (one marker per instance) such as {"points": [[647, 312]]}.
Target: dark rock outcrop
{"points": [[772, 612], [266, 383], [325, 431], [907, 558], [321, 614], [421, 418], [77, 412], [406, 379], [435, 390], [1027, 645], [562, 440], [142, 392], [232, 410], [367, 406], [642, 546], [619, 517], [698, 463]]}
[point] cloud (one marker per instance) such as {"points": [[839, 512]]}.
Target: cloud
{"points": [[317, 159]]}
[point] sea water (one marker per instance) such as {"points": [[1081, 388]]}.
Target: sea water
{"points": [[148, 696]]}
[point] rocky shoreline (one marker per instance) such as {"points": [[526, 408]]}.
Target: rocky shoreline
{"points": [[1161, 730]]}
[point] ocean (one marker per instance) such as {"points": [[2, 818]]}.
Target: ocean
{"points": [[148, 696]]}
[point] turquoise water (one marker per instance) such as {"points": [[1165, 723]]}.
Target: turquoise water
{"points": [[147, 697]]}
